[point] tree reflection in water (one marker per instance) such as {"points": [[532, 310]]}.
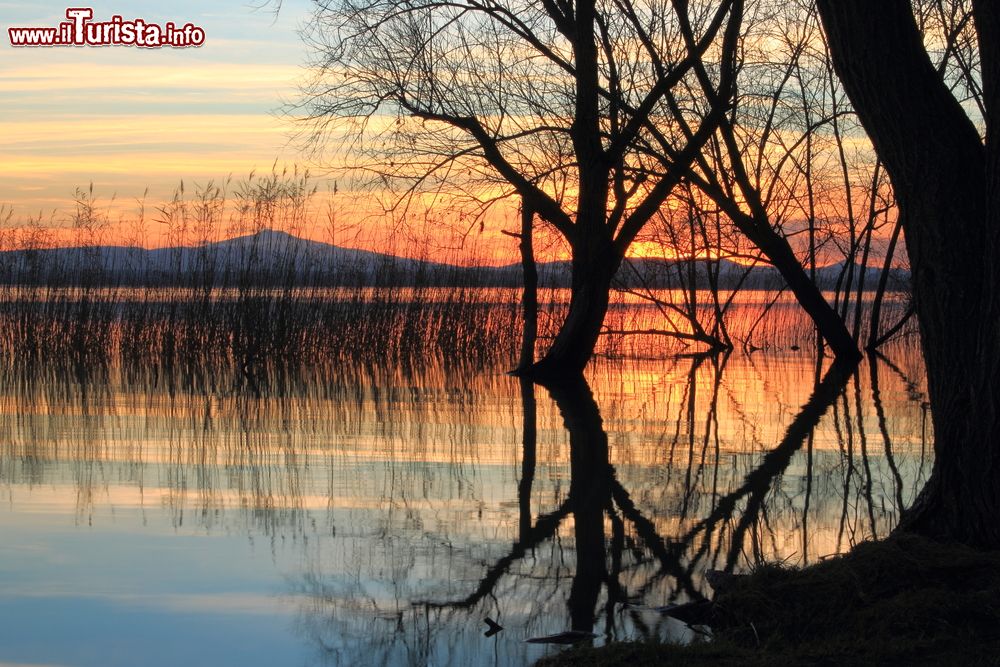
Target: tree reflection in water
{"points": [[405, 505], [596, 499], [621, 558]]}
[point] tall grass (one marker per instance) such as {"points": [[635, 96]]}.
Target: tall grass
{"points": [[261, 299], [237, 286]]}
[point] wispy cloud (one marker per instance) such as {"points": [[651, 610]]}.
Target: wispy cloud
{"points": [[127, 118], [222, 78]]}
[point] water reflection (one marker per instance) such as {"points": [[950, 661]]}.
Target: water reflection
{"points": [[388, 510]]}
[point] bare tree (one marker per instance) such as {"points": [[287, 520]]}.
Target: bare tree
{"points": [[760, 163], [590, 112]]}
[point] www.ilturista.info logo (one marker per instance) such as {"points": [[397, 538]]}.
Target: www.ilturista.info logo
{"points": [[79, 30]]}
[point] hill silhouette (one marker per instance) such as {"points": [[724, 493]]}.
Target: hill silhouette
{"points": [[272, 257]]}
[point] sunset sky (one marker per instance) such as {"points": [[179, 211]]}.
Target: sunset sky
{"points": [[126, 118]]}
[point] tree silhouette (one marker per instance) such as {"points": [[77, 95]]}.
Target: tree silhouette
{"points": [[590, 113], [947, 182]]}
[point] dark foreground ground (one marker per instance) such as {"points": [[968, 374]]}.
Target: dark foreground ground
{"points": [[902, 601]]}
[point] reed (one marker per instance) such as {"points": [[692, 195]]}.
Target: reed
{"points": [[237, 286], [253, 301]]}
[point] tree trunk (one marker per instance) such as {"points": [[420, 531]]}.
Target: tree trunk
{"points": [[775, 247], [829, 324], [529, 295], [947, 186], [574, 344], [883, 280]]}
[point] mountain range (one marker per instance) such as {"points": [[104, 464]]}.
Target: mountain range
{"points": [[276, 258]]}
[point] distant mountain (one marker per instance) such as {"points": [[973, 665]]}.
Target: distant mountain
{"points": [[723, 274], [270, 258], [265, 258], [828, 276]]}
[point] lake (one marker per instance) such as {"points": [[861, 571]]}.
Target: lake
{"points": [[349, 510]]}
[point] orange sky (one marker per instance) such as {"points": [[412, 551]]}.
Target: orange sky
{"points": [[134, 123]]}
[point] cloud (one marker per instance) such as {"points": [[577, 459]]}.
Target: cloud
{"points": [[95, 78]]}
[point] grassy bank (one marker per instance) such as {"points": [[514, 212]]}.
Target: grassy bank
{"points": [[905, 600]]}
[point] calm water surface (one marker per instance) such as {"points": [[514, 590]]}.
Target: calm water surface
{"points": [[376, 514]]}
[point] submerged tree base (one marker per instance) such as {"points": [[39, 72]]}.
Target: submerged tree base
{"points": [[904, 600]]}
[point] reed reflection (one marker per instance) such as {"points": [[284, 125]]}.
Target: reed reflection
{"points": [[402, 505]]}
